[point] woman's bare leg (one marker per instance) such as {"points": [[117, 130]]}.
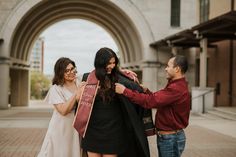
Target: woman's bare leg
{"points": [[109, 155], [91, 154]]}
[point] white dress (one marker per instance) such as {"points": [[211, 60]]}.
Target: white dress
{"points": [[61, 139]]}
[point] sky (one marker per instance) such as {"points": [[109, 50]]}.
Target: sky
{"points": [[77, 39]]}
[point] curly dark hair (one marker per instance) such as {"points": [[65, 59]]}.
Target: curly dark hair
{"points": [[107, 81], [59, 70]]}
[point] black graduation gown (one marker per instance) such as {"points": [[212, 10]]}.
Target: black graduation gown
{"points": [[137, 140], [138, 146]]}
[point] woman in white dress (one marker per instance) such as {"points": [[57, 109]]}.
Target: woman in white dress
{"points": [[61, 139]]}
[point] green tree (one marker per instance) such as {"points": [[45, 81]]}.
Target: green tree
{"points": [[39, 85]]}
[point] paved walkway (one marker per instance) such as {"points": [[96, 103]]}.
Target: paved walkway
{"points": [[22, 131]]}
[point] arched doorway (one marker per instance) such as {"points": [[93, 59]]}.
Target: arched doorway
{"points": [[35, 17]]}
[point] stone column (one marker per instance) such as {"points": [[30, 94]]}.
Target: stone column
{"points": [[4, 82], [174, 51], [149, 77], [20, 87], [203, 63]]}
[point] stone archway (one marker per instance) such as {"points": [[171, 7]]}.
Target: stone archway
{"points": [[104, 14], [30, 18]]}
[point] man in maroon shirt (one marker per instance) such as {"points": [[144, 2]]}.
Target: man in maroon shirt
{"points": [[173, 107]]}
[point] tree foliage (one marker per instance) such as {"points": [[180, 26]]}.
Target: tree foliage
{"points": [[39, 85]]}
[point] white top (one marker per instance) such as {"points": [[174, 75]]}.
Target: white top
{"points": [[61, 139]]}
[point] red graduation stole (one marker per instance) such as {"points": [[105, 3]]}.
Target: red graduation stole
{"points": [[86, 102], [85, 105]]}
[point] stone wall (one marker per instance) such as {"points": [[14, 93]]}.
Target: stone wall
{"points": [[6, 6]]}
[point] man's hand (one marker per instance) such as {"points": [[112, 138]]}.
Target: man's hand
{"points": [[119, 88]]}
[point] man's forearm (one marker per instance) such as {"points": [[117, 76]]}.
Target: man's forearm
{"points": [[138, 98]]}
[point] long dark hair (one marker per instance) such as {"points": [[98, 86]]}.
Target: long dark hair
{"points": [[107, 81], [59, 70]]}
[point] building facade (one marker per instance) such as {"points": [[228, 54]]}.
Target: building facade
{"points": [[147, 33], [37, 56], [222, 58], [210, 46]]}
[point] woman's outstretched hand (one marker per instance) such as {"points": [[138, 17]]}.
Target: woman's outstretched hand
{"points": [[80, 90], [130, 74]]}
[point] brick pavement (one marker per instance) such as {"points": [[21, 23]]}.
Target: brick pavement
{"points": [[26, 141], [21, 142], [202, 142]]}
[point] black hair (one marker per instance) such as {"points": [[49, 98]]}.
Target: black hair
{"points": [[182, 62], [107, 81]]}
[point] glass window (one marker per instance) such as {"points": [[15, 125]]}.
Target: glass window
{"points": [[175, 13], [204, 10]]}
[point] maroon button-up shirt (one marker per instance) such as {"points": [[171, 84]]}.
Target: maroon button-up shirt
{"points": [[172, 103]]}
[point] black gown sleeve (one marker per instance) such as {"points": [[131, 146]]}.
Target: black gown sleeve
{"points": [[133, 114]]}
